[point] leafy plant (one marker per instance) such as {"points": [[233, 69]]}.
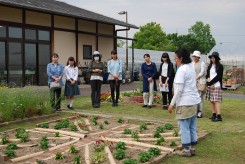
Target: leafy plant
{"points": [[130, 161], [5, 140], [106, 122], [73, 127], [11, 146], [99, 146], [160, 141], [144, 157], [94, 121], [45, 125], [44, 143], [10, 153], [98, 157], [77, 160], [40, 161], [101, 126], [143, 127], [59, 156], [73, 150], [169, 126], [176, 133], [127, 131], [19, 132], [120, 154], [57, 134], [22, 134], [120, 120], [156, 134], [135, 135], [120, 145], [154, 151], [160, 129], [62, 124], [173, 143]]}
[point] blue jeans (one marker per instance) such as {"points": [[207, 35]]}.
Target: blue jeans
{"points": [[188, 131]]}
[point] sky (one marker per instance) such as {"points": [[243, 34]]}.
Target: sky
{"points": [[225, 17]]}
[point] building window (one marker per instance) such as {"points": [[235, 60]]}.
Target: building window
{"points": [[30, 34], [3, 72], [87, 52], [3, 32], [15, 32], [43, 35]]}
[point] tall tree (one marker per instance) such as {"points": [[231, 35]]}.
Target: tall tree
{"points": [[152, 37], [201, 33], [120, 43]]}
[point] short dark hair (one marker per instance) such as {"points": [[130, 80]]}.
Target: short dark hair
{"points": [[185, 55], [147, 55], [55, 55], [100, 56], [165, 55], [71, 59], [114, 52]]}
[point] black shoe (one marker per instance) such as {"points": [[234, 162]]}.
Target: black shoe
{"points": [[217, 119], [165, 107], [116, 104], [58, 109], [144, 106], [68, 106], [71, 108], [149, 106], [113, 104], [212, 118]]}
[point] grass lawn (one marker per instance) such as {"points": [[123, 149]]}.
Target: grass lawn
{"points": [[240, 90]]}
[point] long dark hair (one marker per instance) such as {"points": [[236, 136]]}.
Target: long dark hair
{"points": [[185, 54], [165, 55], [71, 59], [217, 63]]}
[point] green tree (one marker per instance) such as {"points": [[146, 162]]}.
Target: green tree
{"points": [[201, 33], [152, 37], [120, 43]]}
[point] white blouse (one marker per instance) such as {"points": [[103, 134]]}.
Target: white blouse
{"points": [[71, 72], [212, 75], [164, 70]]}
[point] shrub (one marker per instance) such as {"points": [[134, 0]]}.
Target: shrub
{"points": [[173, 143], [160, 129], [99, 146], [73, 150], [144, 157], [5, 140], [101, 127], [143, 127], [94, 121], [98, 157], [59, 156], [10, 153], [120, 145], [120, 120], [135, 135], [77, 160], [120, 154], [168, 126], [12, 146], [160, 141], [156, 134], [130, 161], [106, 122], [127, 131], [45, 125], [154, 151], [44, 143], [62, 124], [73, 127], [22, 134], [176, 133], [57, 134]]}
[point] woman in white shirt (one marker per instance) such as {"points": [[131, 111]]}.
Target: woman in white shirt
{"points": [[214, 76], [71, 86], [186, 99]]}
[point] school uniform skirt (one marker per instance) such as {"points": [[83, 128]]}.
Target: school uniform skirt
{"points": [[71, 90], [214, 95]]}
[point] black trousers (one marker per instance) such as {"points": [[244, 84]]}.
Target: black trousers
{"points": [[168, 94], [95, 91], [115, 84], [55, 95]]}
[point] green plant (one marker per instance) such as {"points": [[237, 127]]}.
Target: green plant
{"points": [[5, 140], [77, 160], [11, 146], [99, 146], [120, 145], [106, 122], [10, 153], [120, 120], [135, 135], [94, 121], [160, 129], [120, 154], [160, 141], [59, 156], [176, 133], [154, 151], [127, 131], [143, 127], [73, 150], [19, 132], [62, 124], [44, 143], [57, 134], [144, 157], [98, 157], [173, 143], [73, 127], [45, 125], [156, 134], [101, 126], [130, 161], [169, 126], [40, 161]]}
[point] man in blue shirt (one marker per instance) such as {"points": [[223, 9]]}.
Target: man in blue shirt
{"points": [[55, 73]]}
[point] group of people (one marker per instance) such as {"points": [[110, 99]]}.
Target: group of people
{"points": [[188, 79]]}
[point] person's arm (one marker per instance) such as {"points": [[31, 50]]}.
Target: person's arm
{"points": [[203, 71], [155, 71], [143, 72], [61, 73], [67, 74], [160, 74], [217, 77], [177, 93], [170, 71], [120, 68], [49, 72], [76, 73]]}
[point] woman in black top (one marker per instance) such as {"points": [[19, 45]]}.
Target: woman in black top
{"points": [[166, 77]]}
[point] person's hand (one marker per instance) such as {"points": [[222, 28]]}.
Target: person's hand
{"points": [[150, 79], [57, 80], [166, 84], [160, 84], [170, 108], [212, 87]]}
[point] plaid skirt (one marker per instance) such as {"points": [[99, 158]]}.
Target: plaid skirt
{"points": [[71, 90], [214, 95]]}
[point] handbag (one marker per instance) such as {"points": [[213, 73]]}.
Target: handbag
{"points": [[201, 87], [54, 85]]}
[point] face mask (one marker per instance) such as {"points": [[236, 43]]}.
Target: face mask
{"points": [[96, 58]]}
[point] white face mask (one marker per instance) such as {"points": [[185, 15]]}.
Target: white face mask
{"points": [[96, 58]]}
